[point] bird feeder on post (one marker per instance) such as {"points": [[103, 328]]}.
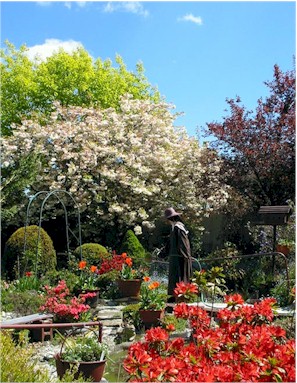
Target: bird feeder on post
{"points": [[274, 216]]}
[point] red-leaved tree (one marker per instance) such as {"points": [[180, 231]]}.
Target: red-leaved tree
{"points": [[259, 148]]}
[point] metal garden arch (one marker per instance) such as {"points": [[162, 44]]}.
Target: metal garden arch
{"points": [[45, 199]]}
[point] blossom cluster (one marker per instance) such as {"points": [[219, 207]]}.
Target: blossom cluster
{"points": [[243, 347], [186, 291], [136, 150], [66, 308], [115, 263]]}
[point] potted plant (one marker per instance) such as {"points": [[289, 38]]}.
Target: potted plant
{"points": [[152, 302], [86, 352], [285, 246], [129, 281], [87, 283]]}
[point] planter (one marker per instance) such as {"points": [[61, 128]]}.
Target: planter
{"points": [[129, 287], [94, 370], [283, 249], [151, 318]]}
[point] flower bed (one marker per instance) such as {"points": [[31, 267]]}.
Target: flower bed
{"points": [[244, 346]]}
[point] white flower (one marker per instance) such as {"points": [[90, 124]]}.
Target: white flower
{"points": [[137, 230]]}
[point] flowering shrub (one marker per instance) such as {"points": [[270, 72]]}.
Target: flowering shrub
{"points": [[123, 264], [244, 347], [62, 305], [151, 295], [115, 263], [186, 291]]}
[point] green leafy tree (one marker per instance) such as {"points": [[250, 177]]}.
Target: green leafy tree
{"points": [[30, 87]]}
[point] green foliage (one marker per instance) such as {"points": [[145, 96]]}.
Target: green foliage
{"points": [[280, 290], [133, 248], [107, 285], [131, 315], [233, 273], [179, 323], [92, 253], [17, 364], [52, 277], [14, 248], [27, 283], [15, 179], [211, 283], [70, 78], [21, 302]]}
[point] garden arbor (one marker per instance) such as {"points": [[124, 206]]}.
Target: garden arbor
{"points": [[46, 195]]}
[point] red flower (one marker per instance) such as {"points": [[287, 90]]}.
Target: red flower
{"points": [[156, 335], [243, 347], [183, 288], [82, 265], [28, 273], [233, 300], [128, 261]]}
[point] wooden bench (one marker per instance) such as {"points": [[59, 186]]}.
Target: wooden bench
{"points": [[33, 318]]}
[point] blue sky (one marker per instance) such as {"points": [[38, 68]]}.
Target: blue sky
{"points": [[197, 53]]}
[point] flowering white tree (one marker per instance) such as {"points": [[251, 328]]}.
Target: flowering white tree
{"points": [[122, 167]]}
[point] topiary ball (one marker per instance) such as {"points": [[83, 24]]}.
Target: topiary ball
{"points": [[92, 253], [14, 248], [133, 247]]}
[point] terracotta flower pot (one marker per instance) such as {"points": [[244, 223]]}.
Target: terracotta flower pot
{"points": [[151, 318], [94, 370], [129, 287], [283, 249]]}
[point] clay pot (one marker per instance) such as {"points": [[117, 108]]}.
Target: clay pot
{"points": [[129, 287], [151, 318], [94, 370]]}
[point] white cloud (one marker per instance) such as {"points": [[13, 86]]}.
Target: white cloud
{"points": [[68, 4], [126, 6], [43, 3], [51, 46], [191, 18], [81, 4]]}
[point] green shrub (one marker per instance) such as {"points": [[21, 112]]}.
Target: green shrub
{"points": [[17, 364], [131, 315], [14, 248], [52, 278], [93, 253], [21, 302], [133, 248]]}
